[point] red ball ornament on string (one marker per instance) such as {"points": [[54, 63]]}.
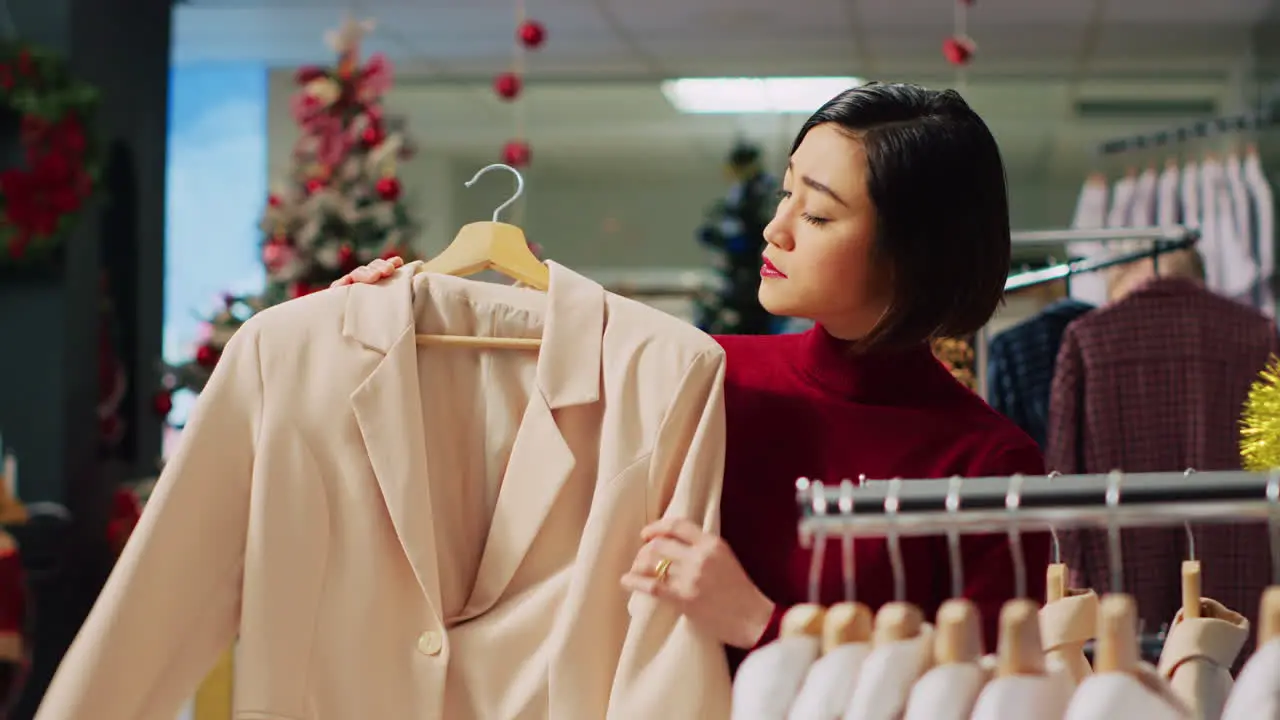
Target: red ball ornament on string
{"points": [[162, 403], [388, 188], [958, 51], [206, 356], [315, 185], [517, 153], [346, 258], [373, 136], [531, 34], [274, 200], [507, 85]]}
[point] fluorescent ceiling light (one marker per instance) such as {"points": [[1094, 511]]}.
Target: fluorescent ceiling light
{"points": [[754, 95]]}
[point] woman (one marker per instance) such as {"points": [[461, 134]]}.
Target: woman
{"points": [[892, 230]]}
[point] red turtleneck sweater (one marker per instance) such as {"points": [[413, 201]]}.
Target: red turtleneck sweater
{"points": [[800, 406]]}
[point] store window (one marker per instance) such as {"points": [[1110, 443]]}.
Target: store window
{"points": [[216, 182]]}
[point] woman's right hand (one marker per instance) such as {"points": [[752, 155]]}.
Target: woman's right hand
{"points": [[371, 273]]}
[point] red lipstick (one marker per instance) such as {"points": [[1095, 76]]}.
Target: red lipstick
{"points": [[767, 270]]}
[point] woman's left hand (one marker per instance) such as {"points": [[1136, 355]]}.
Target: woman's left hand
{"points": [[703, 578]]}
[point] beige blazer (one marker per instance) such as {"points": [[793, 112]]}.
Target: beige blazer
{"points": [[331, 500]]}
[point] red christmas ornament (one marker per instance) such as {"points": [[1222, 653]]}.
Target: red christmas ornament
{"points": [[315, 185], [388, 188], [373, 136], [206, 356], [958, 51], [346, 258], [507, 85], [517, 153], [300, 288], [531, 34], [162, 403], [274, 200]]}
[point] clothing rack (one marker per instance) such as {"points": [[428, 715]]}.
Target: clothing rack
{"points": [[1159, 246], [1052, 238], [1037, 503], [1243, 122]]}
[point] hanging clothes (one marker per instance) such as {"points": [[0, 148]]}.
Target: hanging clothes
{"points": [[769, 679], [1168, 208], [1066, 624], [1155, 382], [1090, 214], [829, 684], [1143, 206], [1229, 267], [1262, 204], [1020, 364], [328, 507], [1198, 654]]}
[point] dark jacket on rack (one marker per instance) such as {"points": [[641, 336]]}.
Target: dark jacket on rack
{"points": [[1156, 383], [1020, 364]]}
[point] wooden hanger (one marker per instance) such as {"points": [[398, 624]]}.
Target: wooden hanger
{"points": [[490, 245], [845, 623], [1190, 589], [897, 621], [1269, 616], [1020, 651], [958, 635], [1055, 582], [1117, 646], [803, 620]]}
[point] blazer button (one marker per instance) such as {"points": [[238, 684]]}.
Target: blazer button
{"points": [[430, 643]]}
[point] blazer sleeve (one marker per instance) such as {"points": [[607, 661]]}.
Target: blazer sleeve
{"points": [[171, 605], [668, 666]]}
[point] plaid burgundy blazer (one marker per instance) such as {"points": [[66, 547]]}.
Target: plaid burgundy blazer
{"points": [[1156, 383]]}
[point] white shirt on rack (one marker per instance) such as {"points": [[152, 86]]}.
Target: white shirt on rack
{"points": [[1261, 200], [887, 676], [769, 678], [946, 692], [1256, 695], [1090, 214], [830, 683], [1019, 697], [1140, 695], [1168, 210]]}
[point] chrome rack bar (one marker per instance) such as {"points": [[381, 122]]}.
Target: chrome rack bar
{"points": [[1029, 278], [1034, 238], [1031, 504]]}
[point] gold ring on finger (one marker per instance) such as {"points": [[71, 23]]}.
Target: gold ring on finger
{"points": [[661, 569]]}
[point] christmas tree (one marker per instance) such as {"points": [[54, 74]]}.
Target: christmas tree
{"points": [[341, 205], [339, 208], [734, 229]]}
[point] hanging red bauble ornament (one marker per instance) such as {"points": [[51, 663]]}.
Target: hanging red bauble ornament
{"points": [[517, 153], [507, 85], [958, 50], [162, 403], [388, 188], [373, 136], [315, 185], [346, 258], [206, 356], [531, 34], [274, 200]]}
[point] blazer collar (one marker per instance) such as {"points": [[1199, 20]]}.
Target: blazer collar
{"points": [[377, 316]]}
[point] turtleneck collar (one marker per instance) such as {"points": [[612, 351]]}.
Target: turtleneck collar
{"points": [[877, 377]]}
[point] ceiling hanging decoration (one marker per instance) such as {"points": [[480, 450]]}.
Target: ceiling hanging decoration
{"points": [[509, 86], [43, 199], [959, 49]]}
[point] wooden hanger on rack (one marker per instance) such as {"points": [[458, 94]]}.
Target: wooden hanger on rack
{"points": [[1020, 650], [492, 245], [804, 620], [897, 621], [958, 633], [845, 623], [1191, 599], [1117, 646], [1055, 582], [1269, 616]]}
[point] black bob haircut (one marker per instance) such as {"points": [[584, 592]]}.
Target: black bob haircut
{"points": [[936, 179]]}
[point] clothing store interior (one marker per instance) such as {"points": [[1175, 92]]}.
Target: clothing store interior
{"points": [[683, 359]]}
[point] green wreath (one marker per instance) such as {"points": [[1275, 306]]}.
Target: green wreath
{"points": [[43, 199]]}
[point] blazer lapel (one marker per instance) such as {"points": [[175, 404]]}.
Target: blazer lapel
{"points": [[542, 458], [388, 411]]}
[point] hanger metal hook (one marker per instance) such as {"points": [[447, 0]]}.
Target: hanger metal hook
{"points": [[802, 500], [1055, 543], [953, 537], [848, 568], [818, 498], [519, 186], [1012, 503], [891, 505], [1273, 523], [1186, 525], [1114, 479]]}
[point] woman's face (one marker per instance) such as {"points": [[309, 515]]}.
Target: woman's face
{"points": [[820, 262]]}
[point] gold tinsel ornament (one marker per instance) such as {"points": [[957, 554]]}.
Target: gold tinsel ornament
{"points": [[1260, 423]]}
